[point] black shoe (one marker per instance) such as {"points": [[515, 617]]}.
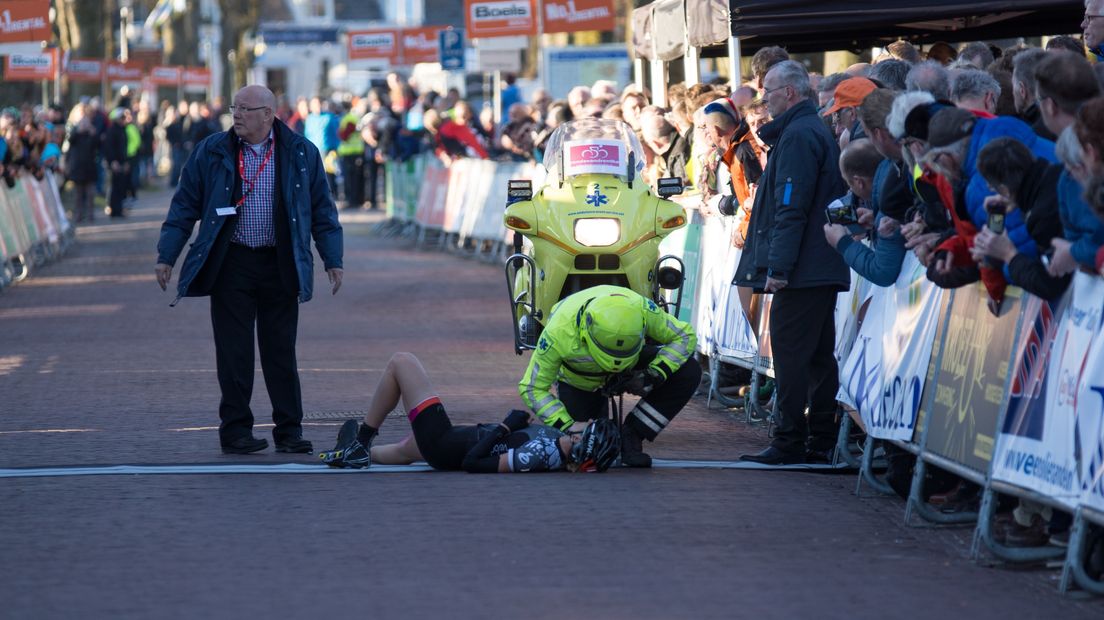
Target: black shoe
{"points": [[632, 448], [294, 445], [820, 457], [774, 456], [350, 451], [244, 445]]}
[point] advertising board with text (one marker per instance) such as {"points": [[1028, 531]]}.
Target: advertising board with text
{"points": [[500, 18]]}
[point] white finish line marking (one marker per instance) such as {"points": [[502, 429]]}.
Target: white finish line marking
{"points": [[303, 468]]}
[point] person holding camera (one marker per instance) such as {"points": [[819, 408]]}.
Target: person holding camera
{"points": [[859, 164]]}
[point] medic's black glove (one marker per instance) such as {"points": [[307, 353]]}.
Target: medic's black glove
{"points": [[644, 381], [516, 420]]}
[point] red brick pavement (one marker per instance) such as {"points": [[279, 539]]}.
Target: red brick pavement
{"points": [[90, 346]]}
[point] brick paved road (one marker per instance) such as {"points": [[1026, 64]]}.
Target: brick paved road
{"points": [[96, 369]]}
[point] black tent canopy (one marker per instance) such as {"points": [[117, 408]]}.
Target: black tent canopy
{"points": [[818, 25]]}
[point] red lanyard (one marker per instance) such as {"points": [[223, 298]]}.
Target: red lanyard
{"points": [[241, 170]]}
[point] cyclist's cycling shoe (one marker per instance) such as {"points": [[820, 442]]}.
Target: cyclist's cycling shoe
{"points": [[349, 451]]}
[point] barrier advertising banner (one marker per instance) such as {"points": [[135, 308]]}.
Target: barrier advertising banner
{"points": [[118, 72], [1089, 409], [1036, 447], [577, 15], [165, 76], [971, 377], [500, 18], [906, 351], [379, 44]]}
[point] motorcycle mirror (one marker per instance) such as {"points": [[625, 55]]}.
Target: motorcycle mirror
{"points": [[632, 168], [669, 278], [669, 186]]}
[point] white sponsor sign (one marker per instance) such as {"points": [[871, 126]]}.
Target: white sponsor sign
{"points": [[1089, 408], [594, 157]]}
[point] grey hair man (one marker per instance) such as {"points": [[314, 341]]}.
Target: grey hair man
{"points": [[1023, 90], [786, 254], [977, 54], [930, 76], [891, 73], [973, 89]]}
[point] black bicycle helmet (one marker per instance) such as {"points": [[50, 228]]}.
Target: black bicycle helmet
{"points": [[598, 447]]}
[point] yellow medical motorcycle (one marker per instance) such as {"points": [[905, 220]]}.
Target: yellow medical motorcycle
{"points": [[592, 220]]}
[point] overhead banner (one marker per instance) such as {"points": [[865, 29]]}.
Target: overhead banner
{"points": [[500, 18], [30, 67], [969, 383], [25, 21], [419, 45], [577, 15], [374, 45], [1035, 448], [165, 76], [84, 70]]}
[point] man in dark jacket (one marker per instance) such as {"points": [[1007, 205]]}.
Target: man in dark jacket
{"points": [[786, 254], [260, 193], [115, 155]]}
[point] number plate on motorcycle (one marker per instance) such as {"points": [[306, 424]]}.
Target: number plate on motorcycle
{"points": [[594, 157]]}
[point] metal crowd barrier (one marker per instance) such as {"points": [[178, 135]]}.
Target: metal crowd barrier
{"points": [[34, 229]]}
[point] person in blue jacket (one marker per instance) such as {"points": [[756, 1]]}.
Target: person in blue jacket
{"points": [[860, 164], [259, 194]]}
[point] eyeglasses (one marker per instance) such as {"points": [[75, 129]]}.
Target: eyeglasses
{"points": [[768, 91], [1090, 17], [235, 109]]}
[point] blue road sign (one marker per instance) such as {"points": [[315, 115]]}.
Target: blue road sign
{"points": [[450, 46]]}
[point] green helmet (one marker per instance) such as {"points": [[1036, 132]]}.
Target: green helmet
{"points": [[613, 330]]}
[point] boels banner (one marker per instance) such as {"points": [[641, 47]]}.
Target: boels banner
{"points": [[84, 70], [30, 67], [380, 44], [420, 45], [24, 21], [500, 18]]}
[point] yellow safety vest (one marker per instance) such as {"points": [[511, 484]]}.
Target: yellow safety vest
{"points": [[354, 144]]}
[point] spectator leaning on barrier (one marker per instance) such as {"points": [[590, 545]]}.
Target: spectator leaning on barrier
{"points": [[517, 134], [1028, 184], [956, 137], [1023, 91], [1084, 232], [259, 192], [1064, 83], [786, 254], [859, 163]]}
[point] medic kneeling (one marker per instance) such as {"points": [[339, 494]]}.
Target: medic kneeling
{"points": [[609, 339]]}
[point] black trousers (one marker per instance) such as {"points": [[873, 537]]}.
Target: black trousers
{"points": [[372, 173], [653, 413], [803, 337], [249, 296], [120, 187], [352, 171]]}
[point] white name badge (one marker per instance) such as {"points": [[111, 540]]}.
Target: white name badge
{"points": [[224, 211]]}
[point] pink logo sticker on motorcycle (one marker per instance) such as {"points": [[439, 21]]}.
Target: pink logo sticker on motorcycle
{"points": [[594, 157]]}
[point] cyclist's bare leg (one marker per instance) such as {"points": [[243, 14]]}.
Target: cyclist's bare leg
{"points": [[405, 378], [404, 452]]}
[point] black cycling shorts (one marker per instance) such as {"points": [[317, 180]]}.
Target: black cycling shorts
{"points": [[443, 445]]}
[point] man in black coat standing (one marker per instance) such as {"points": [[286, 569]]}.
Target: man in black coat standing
{"points": [[786, 254], [115, 155]]}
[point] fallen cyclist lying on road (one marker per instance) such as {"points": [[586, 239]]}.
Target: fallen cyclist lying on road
{"points": [[510, 446]]}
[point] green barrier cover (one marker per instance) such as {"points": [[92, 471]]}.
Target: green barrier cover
{"points": [[403, 185]]}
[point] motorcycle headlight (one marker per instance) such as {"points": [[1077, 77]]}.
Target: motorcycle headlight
{"points": [[597, 232]]}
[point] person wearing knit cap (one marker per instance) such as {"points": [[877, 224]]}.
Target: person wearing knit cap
{"points": [[844, 111]]}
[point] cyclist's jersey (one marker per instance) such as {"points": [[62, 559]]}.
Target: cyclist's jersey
{"points": [[532, 449]]}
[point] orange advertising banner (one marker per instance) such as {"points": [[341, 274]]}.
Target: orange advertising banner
{"points": [[374, 44], [196, 76], [24, 21], [420, 45], [162, 75], [500, 18], [84, 70], [123, 72], [577, 15], [30, 67]]}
